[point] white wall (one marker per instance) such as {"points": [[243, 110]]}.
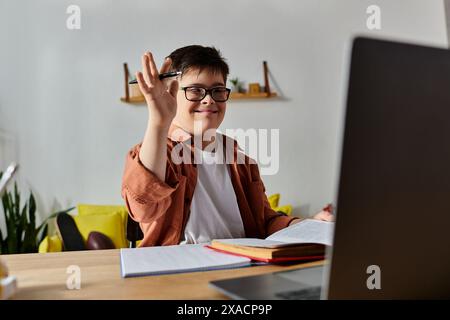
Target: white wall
{"points": [[59, 95]]}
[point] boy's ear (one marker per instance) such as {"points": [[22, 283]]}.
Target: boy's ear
{"points": [[173, 88]]}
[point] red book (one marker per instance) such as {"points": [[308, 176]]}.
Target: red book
{"points": [[271, 260]]}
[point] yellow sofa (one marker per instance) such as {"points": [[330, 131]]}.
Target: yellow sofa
{"points": [[109, 220], [274, 200]]}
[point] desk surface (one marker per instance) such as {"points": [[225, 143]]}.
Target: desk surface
{"points": [[44, 276]]}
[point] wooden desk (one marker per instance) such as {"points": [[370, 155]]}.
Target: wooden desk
{"points": [[43, 276]]}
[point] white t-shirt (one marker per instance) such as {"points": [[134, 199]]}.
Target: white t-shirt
{"points": [[214, 210]]}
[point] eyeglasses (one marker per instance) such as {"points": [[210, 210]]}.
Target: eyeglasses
{"points": [[219, 94]]}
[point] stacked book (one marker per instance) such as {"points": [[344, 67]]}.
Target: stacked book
{"points": [[303, 241], [306, 240]]}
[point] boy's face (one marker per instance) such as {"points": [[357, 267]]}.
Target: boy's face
{"points": [[206, 113]]}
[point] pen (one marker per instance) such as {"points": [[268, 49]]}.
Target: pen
{"points": [[161, 76]]}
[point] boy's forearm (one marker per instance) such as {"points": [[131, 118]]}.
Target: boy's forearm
{"points": [[153, 152]]}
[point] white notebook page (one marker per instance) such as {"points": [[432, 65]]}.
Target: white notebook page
{"points": [[175, 259], [306, 231]]}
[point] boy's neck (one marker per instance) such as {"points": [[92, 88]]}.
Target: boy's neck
{"points": [[178, 133]]}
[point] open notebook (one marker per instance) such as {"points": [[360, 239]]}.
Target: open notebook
{"points": [[306, 240], [176, 259]]}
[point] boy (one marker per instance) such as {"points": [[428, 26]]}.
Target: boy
{"points": [[178, 200]]}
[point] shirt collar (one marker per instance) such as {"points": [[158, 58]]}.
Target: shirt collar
{"points": [[178, 134]]}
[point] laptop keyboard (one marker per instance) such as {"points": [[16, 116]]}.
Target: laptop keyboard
{"points": [[311, 293]]}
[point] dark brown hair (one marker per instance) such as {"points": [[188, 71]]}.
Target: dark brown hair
{"points": [[199, 57]]}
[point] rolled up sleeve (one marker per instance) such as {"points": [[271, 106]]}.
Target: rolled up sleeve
{"points": [[273, 221], [146, 196]]}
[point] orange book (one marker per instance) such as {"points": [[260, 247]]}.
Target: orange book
{"points": [[270, 257]]}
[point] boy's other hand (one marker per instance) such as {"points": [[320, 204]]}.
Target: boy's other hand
{"points": [[161, 98], [324, 216]]}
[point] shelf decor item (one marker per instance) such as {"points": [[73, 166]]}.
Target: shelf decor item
{"points": [[255, 91], [236, 85], [254, 88]]}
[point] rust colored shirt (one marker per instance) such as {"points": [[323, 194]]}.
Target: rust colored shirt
{"points": [[162, 208]]}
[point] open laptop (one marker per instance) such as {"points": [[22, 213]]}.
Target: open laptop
{"points": [[392, 232]]}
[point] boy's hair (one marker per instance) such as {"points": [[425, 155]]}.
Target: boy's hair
{"points": [[199, 57]]}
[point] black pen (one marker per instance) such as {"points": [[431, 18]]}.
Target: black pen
{"points": [[161, 76]]}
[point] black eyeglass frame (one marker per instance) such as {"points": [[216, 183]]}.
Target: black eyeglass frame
{"points": [[206, 92]]}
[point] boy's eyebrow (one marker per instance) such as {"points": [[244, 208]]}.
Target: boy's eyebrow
{"points": [[201, 84]]}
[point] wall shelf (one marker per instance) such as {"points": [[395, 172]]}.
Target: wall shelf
{"points": [[133, 100], [247, 96], [266, 94]]}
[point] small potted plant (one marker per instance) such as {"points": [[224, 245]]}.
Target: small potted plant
{"points": [[236, 85], [23, 235]]}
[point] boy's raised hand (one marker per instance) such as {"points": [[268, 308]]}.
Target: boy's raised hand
{"points": [[161, 100]]}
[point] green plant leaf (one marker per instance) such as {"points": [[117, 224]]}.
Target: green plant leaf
{"points": [[29, 240], [21, 226], [5, 203], [7, 206], [16, 202], [11, 238], [32, 210], [22, 235]]}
